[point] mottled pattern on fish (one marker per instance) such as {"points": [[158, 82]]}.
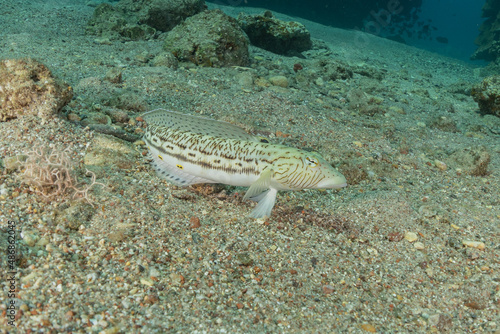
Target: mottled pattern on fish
{"points": [[189, 149]]}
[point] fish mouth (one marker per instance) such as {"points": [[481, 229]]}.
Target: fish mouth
{"points": [[332, 185], [338, 186]]}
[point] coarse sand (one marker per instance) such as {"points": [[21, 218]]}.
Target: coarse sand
{"points": [[410, 246]]}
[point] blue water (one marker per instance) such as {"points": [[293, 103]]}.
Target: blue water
{"points": [[456, 20]]}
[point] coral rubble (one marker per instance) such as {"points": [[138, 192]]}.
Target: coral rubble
{"points": [[487, 95], [28, 87]]}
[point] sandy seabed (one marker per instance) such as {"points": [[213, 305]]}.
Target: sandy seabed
{"points": [[411, 245]]}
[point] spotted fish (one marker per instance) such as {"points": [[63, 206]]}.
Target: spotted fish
{"points": [[190, 149]]}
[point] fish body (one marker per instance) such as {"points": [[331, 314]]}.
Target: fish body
{"points": [[188, 150]]}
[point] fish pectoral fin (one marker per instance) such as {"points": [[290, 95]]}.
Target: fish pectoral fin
{"points": [[265, 205], [259, 187], [261, 192]]}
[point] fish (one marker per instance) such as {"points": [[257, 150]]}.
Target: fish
{"points": [[188, 150]]}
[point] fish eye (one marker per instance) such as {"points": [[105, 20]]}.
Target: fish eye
{"points": [[311, 162], [263, 140]]}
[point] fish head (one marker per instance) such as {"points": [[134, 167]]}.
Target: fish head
{"points": [[307, 170]]}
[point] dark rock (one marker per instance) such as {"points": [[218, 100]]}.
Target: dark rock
{"points": [[210, 38], [244, 258], [140, 19], [162, 15], [275, 35], [487, 95]]}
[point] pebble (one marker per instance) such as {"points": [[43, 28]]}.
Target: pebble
{"points": [[418, 245], [42, 242], [279, 80], [49, 248], [411, 236], [30, 239], [474, 244], [440, 165], [369, 328], [72, 117], [148, 282], [177, 279], [328, 289], [358, 143], [244, 258], [195, 222]]}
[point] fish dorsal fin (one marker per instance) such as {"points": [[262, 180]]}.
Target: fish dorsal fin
{"points": [[196, 124]]}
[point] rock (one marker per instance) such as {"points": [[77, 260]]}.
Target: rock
{"points": [[418, 245], [279, 80], [369, 328], [27, 87], [117, 115], [30, 239], [487, 95], [275, 35], [334, 70], [328, 289], [440, 165], [110, 151], [140, 19], [411, 236], [244, 258], [210, 38], [473, 161], [166, 59], [195, 222], [111, 24], [474, 244], [162, 15], [42, 242]]}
